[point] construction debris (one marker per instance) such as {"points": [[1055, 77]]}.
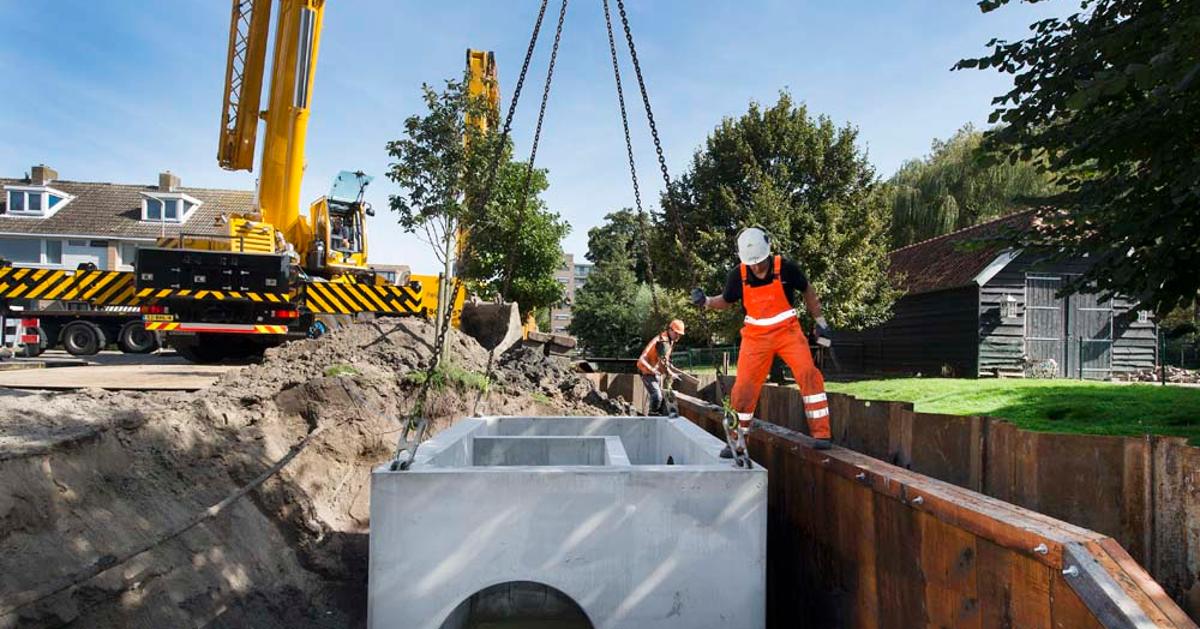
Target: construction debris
{"points": [[88, 477], [1174, 375]]}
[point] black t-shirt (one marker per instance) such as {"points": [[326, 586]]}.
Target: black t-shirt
{"points": [[793, 281]]}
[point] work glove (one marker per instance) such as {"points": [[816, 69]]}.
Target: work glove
{"points": [[699, 299], [823, 333]]}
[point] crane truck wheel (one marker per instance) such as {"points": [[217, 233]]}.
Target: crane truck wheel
{"points": [[35, 349], [324, 324], [83, 338], [134, 338]]}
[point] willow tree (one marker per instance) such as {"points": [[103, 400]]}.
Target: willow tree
{"points": [[956, 186]]}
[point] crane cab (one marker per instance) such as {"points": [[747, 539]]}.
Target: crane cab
{"points": [[339, 235]]}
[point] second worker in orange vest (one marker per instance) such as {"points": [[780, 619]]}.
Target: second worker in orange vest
{"points": [[766, 286]]}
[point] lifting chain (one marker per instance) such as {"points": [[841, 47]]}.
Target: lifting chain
{"points": [[637, 191], [537, 137], [511, 255], [668, 195], [417, 422]]}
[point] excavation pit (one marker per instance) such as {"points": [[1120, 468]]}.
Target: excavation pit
{"points": [[625, 521]]}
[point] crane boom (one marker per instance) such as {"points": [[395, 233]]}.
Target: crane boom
{"points": [[249, 28], [297, 40]]}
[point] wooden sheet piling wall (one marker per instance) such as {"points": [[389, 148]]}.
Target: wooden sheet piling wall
{"points": [[1144, 492], [855, 542]]}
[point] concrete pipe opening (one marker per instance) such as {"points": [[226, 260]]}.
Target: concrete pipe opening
{"points": [[518, 604]]}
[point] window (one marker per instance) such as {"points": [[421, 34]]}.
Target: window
{"points": [[35, 201], [24, 251], [1008, 307], [167, 207], [128, 252], [77, 243], [54, 251]]}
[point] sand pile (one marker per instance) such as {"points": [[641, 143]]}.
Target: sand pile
{"points": [[90, 475]]}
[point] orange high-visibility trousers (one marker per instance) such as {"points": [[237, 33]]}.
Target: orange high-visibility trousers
{"points": [[759, 348]]}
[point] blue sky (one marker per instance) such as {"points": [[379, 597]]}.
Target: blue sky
{"points": [[122, 89]]}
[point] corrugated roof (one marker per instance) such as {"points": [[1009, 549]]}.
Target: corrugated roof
{"points": [[109, 210], [954, 259]]}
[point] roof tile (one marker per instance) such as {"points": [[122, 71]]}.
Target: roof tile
{"points": [[107, 210], [954, 259]]}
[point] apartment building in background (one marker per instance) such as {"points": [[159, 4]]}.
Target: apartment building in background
{"points": [[573, 276]]}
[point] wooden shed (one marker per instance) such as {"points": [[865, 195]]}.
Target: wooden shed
{"points": [[973, 308]]}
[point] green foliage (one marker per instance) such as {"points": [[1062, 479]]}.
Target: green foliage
{"points": [[807, 183], [605, 315], [620, 229], [449, 374], [506, 240], [338, 370], [1111, 96], [542, 317], [1097, 408], [443, 166], [540, 398], [953, 188], [433, 166]]}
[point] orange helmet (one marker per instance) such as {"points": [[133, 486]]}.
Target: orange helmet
{"points": [[676, 326]]}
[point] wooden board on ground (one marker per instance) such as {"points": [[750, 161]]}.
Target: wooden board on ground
{"points": [[144, 377]]}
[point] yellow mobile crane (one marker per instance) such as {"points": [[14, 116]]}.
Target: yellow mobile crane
{"points": [[269, 274], [273, 274]]}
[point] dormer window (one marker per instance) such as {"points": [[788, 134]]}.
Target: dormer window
{"points": [[168, 207], [35, 201]]}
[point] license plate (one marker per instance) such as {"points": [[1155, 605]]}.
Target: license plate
{"points": [[158, 317]]}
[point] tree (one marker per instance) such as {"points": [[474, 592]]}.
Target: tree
{"points": [[1109, 98], [620, 228], [434, 168], [955, 187], [443, 166], [511, 241], [605, 316], [806, 182]]}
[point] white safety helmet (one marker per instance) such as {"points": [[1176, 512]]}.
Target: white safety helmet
{"points": [[754, 245]]}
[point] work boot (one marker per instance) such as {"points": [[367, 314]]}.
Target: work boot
{"points": [[726, 453], [822, 444]]}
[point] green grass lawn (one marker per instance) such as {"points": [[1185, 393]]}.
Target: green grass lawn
{"points": [[1096, 408]]}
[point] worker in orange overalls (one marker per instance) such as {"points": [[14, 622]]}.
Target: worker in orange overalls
{"points": [[655, 363], [766, 285]]}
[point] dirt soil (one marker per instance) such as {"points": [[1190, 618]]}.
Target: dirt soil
{"points": [[93, 474]]}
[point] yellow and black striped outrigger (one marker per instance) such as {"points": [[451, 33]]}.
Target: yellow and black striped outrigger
{"points": [[116, 288], [348, 298], [101, 288], [317, 297]]}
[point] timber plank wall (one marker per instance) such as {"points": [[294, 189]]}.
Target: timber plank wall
{"points": [[1143, 492], [856, 542]]}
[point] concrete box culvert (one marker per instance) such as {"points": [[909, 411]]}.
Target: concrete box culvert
{"points": [[551, 518]]}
